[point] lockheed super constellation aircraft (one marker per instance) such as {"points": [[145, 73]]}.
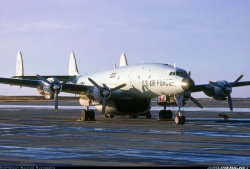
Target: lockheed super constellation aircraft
{"points": [[126, 89]]}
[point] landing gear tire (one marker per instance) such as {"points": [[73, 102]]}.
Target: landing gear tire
{"points": [[165, 115], [148, 115], [111, 116], [91, 115], [134, 116], [180, 120], [87, 115]]}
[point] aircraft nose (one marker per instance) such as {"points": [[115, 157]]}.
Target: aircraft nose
{"points": [[187, 84]]}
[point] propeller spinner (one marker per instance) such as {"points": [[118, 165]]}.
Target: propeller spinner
{"points": [[56, 87], [105, 92]]}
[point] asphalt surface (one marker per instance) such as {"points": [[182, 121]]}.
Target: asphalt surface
{"points": [[32, 134]]}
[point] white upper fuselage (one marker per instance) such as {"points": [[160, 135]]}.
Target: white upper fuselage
{"points": [[143, 81]]}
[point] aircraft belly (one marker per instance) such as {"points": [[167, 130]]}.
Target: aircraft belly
{"points": [[126, 106]]}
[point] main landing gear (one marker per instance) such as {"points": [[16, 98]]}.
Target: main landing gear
{"points": [[87, 115], [166, 115], [111, 116]]}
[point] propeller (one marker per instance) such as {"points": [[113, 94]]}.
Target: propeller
{"points": [[56, 87], [192, 98], [105, 92], [196, 102], [227, 89]]}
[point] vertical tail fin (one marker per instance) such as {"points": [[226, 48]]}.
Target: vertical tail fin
{"points": [[123, 60], [19, 64], [73, 70]]}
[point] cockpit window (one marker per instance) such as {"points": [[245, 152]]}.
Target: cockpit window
{"points": [[179, 73]]}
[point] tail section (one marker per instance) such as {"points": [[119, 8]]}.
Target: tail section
{"points": [[73, 70], [123, 60], [19, 64]]}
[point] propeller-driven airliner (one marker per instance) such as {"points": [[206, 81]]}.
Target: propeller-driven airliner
{"points": [[125, 89]]}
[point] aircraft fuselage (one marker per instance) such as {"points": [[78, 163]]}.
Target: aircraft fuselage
{"points": [[143, 81]]}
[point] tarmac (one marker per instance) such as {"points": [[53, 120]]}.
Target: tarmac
{"points": [[32, 134]]}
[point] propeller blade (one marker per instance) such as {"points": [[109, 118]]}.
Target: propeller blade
{"points": [[196, 102], [104, 102], [105, 92], [237, 80], [44, 79], [94, 83], [56, 100], [230, 102], [118, 87], [69, 79]]}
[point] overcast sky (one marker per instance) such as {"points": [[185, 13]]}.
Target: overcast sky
{"points": [[210, 38]]}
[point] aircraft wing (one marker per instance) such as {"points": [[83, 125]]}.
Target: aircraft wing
{"points": [[75, 88], [199, 88], [20, 82], [59, 77], [203, 87], [69, 88], [239, 84]]}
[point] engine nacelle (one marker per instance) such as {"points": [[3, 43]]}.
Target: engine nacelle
{"points": [[219, 91], [48, 90], [98, 94]]}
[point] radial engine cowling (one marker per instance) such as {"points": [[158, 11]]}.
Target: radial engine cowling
{"points": [[219, 90], [48, 90], [99, 95]]}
